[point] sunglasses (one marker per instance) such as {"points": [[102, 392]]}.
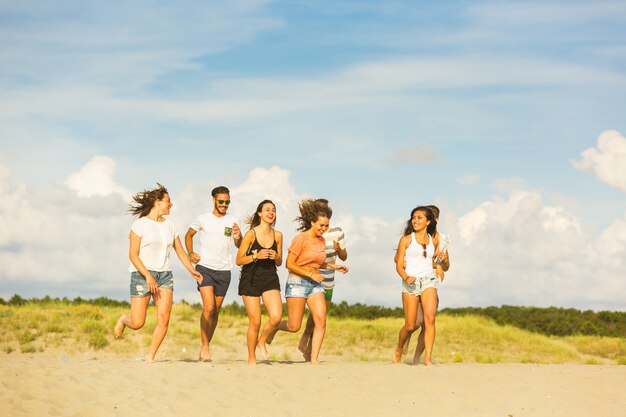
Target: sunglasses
{"points": [[227, 202], [424, 247]]}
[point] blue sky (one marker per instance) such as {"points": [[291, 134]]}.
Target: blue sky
{"points": [[492, 110]]}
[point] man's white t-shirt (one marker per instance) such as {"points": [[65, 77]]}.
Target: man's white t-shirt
{"points": [[216, 240], [157, 239]]}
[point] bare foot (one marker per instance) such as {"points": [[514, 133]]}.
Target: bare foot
{"points": [[266, 355], [205, 355], [315, 362], [119, 327], [252, 361], [428, 363], [397, 355], [150, 360], [270, 336]]}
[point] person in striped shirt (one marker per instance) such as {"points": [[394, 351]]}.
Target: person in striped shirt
{"points": [[335, 248]]}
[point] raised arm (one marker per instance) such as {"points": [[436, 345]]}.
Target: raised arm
{"points": [[442, 256], [194, 257], [306, 272], [245, 243]]}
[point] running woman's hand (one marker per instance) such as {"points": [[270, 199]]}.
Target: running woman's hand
{"points": [[315, 275], [153, 287], [196, 275], [410, 280]]}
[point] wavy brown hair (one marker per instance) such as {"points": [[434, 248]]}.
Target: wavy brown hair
{"points": [[144, 201], [310, 211]]}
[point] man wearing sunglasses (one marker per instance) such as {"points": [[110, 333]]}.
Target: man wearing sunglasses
{"points": [[218, 230]]}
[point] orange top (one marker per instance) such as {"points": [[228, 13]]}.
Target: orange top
{"points": [[308, 250]]}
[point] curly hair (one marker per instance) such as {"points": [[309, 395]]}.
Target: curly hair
{"points": [[310, 211], [255, 219], [431, 229], [144, 201]]}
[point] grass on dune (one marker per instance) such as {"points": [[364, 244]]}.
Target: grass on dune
{"points": [[61, 327]]}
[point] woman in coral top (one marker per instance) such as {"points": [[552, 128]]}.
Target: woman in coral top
{"points": [[306, 256]]}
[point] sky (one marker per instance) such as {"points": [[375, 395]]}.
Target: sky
{"points": [[510, 116]]}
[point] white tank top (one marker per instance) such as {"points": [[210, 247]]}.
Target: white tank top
{"points": [[416, 264]]}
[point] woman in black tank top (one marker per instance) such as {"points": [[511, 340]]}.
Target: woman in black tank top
{"points": [[259, 254]]}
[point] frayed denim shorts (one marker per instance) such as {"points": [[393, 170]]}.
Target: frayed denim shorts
{"points": [[139, 287], [298, 287], [421, 284]]}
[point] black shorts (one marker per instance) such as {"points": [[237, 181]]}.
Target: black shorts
{"points": [[219, 280], [255, 286]]}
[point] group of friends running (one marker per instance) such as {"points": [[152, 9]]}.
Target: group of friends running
{"points": [[311, 261]]}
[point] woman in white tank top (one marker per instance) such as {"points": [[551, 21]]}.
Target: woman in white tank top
{"points": [[414, 264]]}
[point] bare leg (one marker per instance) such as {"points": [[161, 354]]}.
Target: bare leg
{"points": [[206, 329], [317, 306], [163, 302], [274, 305], [253, 308], [419, 320], [295, 311], [304, 345], [419, 349], [138, 308], [419, 324], [429, 302], [405, 349], [409, 304], [219, 300]]}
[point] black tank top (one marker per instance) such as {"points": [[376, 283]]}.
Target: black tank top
{"points": [[265, 268]]}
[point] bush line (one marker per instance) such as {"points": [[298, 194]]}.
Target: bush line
{"points": [[551, 321]]}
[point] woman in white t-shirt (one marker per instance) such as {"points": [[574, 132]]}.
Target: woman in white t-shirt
{"points": [[151, 240]]}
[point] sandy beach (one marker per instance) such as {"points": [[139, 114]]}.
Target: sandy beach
{"points": [[105, 385]]}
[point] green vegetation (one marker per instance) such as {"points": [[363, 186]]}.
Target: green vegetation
{"points": [[552, 321], [355, 333]]}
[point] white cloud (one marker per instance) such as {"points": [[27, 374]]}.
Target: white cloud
{"points": [[520, 250], [607, 161], [512, 249], [97, 177]]}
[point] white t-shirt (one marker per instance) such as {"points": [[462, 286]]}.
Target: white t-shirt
{"points": [[216, 240], [157, 239]]}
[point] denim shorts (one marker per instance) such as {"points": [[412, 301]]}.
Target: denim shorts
{"points": [[139, 287], [421, 284], [298, 287]]}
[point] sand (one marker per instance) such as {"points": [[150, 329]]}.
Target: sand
{"points": [[91, 384]]}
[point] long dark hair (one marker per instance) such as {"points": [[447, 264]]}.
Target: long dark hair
{"points": [[310, 210], [255, 219], [144, 201], [431, 229]]}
